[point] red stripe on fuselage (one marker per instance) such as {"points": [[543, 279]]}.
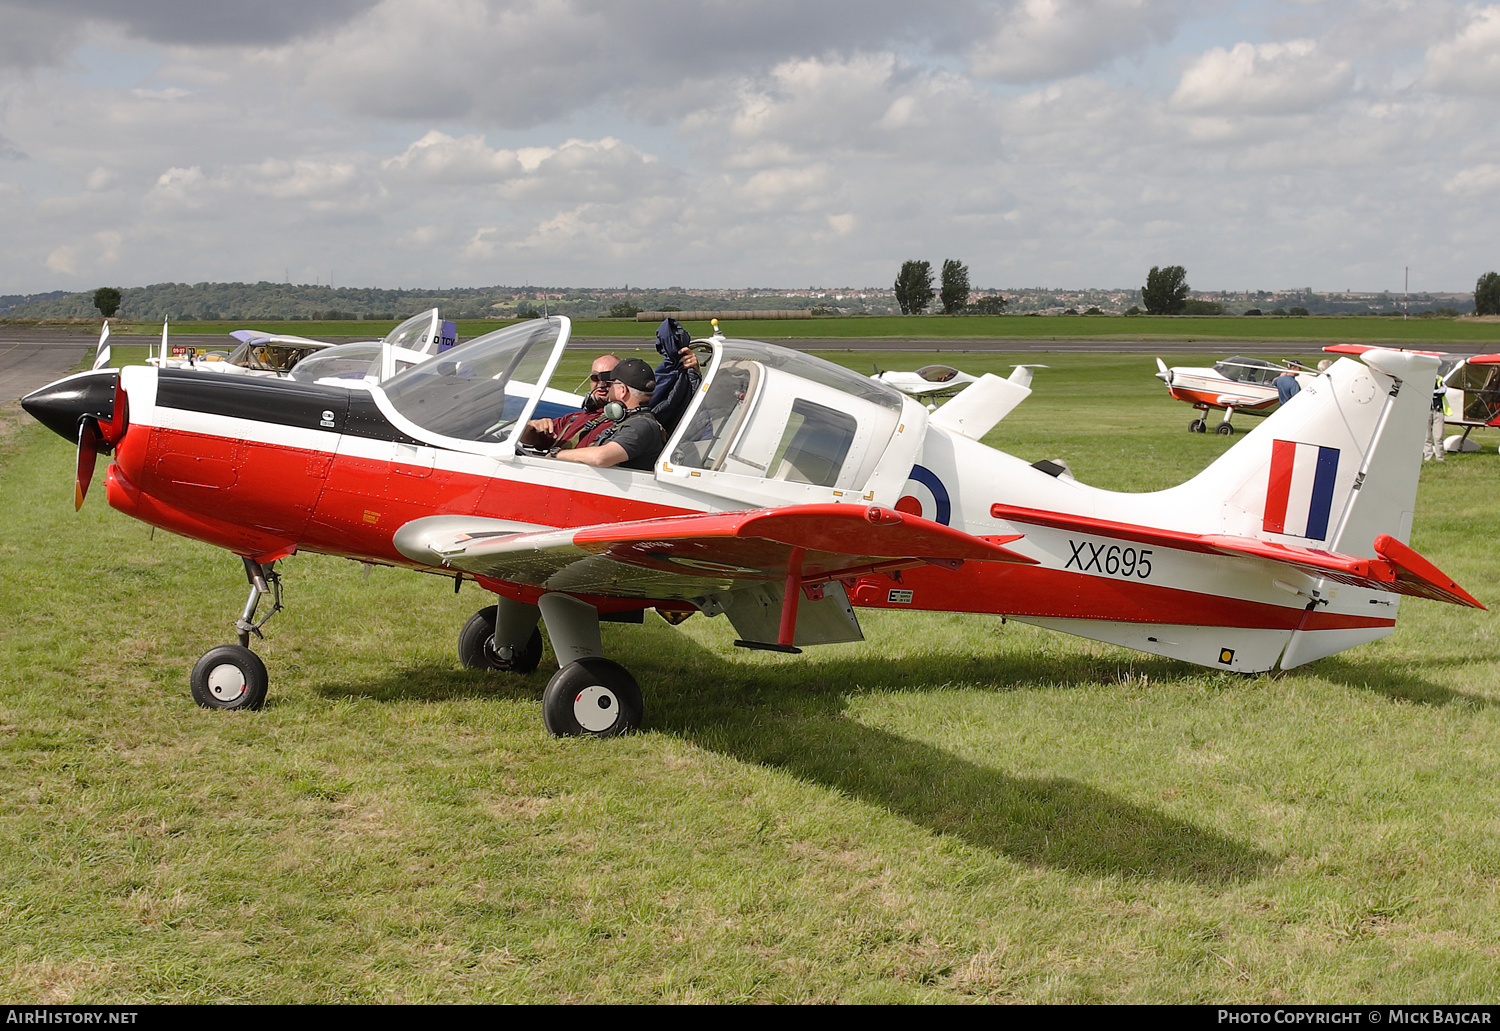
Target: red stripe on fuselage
{"points": [[336, 504], [1039, 591]]}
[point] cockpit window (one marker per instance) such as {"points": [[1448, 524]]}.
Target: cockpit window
{"points": [[937, 373], [478, 390], [1248, 370], [813, 445], [416, 333], [775, 414]]}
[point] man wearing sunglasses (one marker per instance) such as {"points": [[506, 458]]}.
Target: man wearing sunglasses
{"points": [[576, 429]]}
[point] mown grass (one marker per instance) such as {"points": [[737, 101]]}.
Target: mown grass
{"points": [[959, 810], [1312, 329]]}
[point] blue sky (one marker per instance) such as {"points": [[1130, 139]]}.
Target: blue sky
{"points": [[665, 142]]}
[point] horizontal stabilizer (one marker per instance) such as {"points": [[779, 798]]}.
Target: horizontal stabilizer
{"points": [[1397, 569]]}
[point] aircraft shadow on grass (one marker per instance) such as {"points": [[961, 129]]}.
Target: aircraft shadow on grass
{"points": [[1041, 821], [1399, 685]]}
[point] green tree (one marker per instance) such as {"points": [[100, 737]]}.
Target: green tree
{"points": [[107, 300], [623, 310], [955, 290], [1487, 294], [992, 304], [1166, 290], [1192, 307], [914, 287]]}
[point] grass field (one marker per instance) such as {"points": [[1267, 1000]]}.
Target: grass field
{"points": [[1315, 330], [958, 810]]}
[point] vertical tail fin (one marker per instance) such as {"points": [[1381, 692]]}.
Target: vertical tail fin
{"points": [[1335, 467]]}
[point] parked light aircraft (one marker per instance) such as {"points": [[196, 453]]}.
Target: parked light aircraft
{"points": [[928, 382], [792, 494], [273, 354], [1234, 385], [1472, 382]]}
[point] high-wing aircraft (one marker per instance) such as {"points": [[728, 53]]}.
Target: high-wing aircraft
{"points": [[1233, 385], [1473, 386], [791, 494]]}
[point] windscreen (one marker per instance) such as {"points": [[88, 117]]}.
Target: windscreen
{"points": [[478, 390]]}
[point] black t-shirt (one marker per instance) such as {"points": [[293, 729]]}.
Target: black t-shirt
{"points": [[639, 434]]}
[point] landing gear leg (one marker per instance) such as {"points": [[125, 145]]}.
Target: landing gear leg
{"points": [[263, 580], [502, 637], [231, 676], [589, 695]]}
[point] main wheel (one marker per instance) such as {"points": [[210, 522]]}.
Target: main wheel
{"points": [[593, 698], [476, 646], [230, 677], [1224, 429], [1196, 426]]}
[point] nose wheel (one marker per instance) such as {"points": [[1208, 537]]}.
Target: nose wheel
{"points": [[232, 676]]}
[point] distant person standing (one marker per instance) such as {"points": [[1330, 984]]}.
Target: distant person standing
{"points": [[1286, 384], [1437, 421]]}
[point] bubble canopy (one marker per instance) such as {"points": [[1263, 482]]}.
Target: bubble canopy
{"points": [[480, 390]]}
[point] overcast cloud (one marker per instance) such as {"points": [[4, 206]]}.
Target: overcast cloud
{"points": [[697, 143]]}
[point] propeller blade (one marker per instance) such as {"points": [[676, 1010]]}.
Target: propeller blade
{"points": [[88, 454]]}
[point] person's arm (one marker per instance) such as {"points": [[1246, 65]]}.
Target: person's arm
{"points": [[670, 409], [539, 433], [600, 456]]}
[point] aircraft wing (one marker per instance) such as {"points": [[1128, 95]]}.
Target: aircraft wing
{"points": [[1241, 401], [677, 558], [1397, 569]]}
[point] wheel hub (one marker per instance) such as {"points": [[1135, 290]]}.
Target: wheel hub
{"points": [[227, 682], [596, 709]]}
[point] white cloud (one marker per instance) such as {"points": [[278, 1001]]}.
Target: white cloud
{"points": [[403, 142], [1469, 62], [1478, 181], [1042, 39], [1264, 79]]}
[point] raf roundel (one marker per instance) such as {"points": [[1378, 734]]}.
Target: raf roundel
{"points": [[924, 495]]}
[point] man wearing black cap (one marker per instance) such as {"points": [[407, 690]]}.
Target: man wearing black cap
{"points": [[636, 438]]}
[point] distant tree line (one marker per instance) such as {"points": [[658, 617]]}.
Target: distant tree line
{"points": [[284, 301], [914, 292]]}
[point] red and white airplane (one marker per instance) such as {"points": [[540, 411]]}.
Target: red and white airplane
{"points": [[1233, 385], [792, 494], [1472, 383]]}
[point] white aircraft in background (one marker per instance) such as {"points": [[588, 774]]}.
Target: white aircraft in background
{"points": [[934, 381], [1233, 385], [272, 354]]}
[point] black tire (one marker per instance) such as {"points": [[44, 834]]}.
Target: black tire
{"points": [[1196, 426], [592, 698], [230, 677], [1224, 429], [476, 646]]}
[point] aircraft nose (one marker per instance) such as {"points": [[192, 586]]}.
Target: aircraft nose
{"points": [[59, 406]]}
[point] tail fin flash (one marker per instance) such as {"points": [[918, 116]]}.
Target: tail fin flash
{"points": [[1336, 466]]}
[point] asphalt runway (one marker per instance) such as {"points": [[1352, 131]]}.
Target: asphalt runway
{"points": [[26, 365]]}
